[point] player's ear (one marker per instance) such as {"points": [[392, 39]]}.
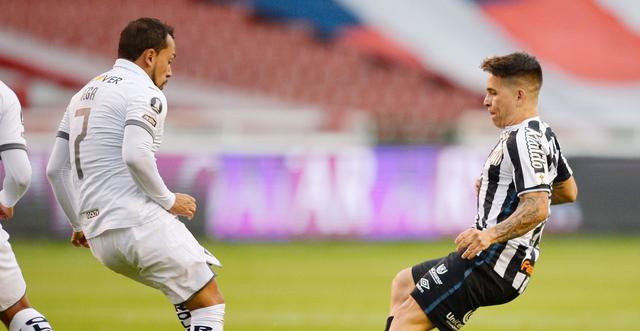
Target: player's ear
{"points": [[149, 56], [521, 96]]}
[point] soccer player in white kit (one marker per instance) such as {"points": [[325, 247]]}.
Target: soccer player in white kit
{"points": [[15, 311], [103, 173]]}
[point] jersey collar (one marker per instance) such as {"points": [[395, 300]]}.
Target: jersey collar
{"points": [[516, 126], [132, 67]]}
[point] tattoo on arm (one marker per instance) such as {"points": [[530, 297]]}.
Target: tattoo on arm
{"points": [[530, 212], [555, 194]]}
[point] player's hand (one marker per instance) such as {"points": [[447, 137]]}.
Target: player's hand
{"points": [[78, 239], [185, 205], [471, 242], [6, 213], [477, 185]]}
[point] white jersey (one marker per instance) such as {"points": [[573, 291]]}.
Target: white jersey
{"points": [[11, 125], [94, 123]]}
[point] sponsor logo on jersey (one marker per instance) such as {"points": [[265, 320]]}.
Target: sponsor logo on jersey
{"points": [[527, 267], [89, 214], [156, 105], [536, 154], [423, 284], [108, 79], [150, 119]]}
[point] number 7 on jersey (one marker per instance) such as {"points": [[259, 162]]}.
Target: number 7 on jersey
{"points": [[84, 112]]}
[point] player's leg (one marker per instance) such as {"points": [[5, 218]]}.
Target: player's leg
{"points": [[207, 308], [402, 285], [184, 315], [22, 317], [401, 288], [410, 317], [15, 311]]}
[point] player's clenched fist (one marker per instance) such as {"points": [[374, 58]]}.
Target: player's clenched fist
{"points": [[5, 212], [185, 205]]}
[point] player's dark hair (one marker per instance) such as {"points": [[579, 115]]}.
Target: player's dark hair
{"points": [[142, 34], [515, 65]]}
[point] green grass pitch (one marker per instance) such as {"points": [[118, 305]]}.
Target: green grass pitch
{"points": [[580, 283]]}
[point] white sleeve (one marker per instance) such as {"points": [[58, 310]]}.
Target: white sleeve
{"points": [[59, 173], [138, 155], [17, 176]]}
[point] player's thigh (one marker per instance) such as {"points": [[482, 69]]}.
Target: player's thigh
{"points": [[410, 317], [442, 294], [12, 284], [172, 259], [114, 248]]}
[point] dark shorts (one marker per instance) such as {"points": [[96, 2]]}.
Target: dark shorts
{"points": [[450, 289]]}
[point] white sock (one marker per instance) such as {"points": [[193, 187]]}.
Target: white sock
{"points": [[208, 318], [184, 315], [29, 320]]}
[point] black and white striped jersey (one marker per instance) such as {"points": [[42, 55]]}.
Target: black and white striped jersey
{"points": [[527, 158]]}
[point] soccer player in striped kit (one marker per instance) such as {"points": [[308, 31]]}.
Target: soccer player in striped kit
{"points": [[524, 173]]}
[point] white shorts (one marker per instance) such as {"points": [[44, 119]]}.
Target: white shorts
{"points": [[162, 254], [12, 285]]}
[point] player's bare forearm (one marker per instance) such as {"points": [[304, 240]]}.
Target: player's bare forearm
{"points": [[532, 209], [565, 191]]}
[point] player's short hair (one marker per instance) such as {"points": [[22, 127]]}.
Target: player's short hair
{"points": [[142, 34], [515, 65]]}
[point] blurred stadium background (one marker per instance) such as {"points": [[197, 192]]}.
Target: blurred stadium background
{"points": [[332, 142]]}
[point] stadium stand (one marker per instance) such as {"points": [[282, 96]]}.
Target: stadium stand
{"points": [[231, 45]]}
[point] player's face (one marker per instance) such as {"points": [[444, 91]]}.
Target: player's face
{"points": [[500, 101], [161, 71]]}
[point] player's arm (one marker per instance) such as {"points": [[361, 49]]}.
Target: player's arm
{"points": [[59, 173], [16, 181], [564, 191], [532, 209], [137, 154], [564, 188]]}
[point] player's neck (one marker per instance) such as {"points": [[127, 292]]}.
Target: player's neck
{"points": [[523, 114]]}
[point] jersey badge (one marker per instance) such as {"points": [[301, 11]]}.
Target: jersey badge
{"points": [[156, 105]]}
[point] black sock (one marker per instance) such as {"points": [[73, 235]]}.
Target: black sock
{"points": [[389, 319]]}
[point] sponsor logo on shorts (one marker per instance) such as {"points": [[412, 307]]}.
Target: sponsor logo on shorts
{"points": [[527, 267], [441, 269], [466, 316], [454, 322], [434, 276], [423, 284], [89, 214]]}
